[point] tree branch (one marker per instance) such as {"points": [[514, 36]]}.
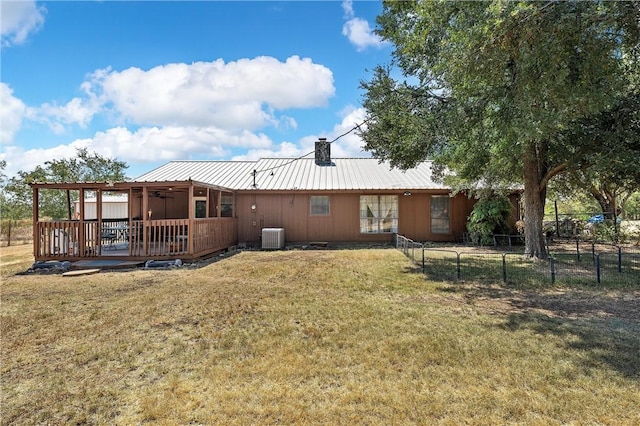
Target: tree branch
{"points": [[560, 168]]}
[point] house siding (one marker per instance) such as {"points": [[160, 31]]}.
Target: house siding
{"points": [[291, 211]]}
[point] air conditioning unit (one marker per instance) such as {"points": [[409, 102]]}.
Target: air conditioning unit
{"points": [[272, 238]]}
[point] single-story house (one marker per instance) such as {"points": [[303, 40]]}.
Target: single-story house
{"points": [[190, 209]]}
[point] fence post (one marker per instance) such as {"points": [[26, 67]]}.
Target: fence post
{"points": [[619, 259], [552, 264], [578, 248], [593, 250], [504, 268], [423, 268], [598, 268], [458, 265]]}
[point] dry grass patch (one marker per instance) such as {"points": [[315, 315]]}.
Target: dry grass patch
{"points": [[306, 337], [15, 259]]}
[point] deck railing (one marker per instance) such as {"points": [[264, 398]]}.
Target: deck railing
{"points": [[164, 238], [211, 235], [59, 238]]}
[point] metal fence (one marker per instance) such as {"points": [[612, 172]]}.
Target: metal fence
{"points": [[586, 263]]}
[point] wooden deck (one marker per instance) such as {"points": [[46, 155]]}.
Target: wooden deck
{"points": [[133, 239]]}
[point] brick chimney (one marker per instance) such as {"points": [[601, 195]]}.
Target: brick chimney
{"points": [[323, 152]]}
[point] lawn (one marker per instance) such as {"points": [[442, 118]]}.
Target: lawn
{"points": [[312, 337]]}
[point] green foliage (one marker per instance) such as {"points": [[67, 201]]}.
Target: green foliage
{"points": [[17, 201], [632, 207], [487, 88], [489, 216], [609, 232]]}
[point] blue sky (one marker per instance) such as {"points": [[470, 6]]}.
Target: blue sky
{"points": [[149, 82]]}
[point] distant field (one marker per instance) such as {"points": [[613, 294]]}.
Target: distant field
{"points": [[311, 337]]}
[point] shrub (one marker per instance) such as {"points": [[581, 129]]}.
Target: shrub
{"points": [[489, 216]]}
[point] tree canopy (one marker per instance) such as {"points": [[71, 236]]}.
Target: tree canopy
{"points": [[487, 89], [85, 167]]}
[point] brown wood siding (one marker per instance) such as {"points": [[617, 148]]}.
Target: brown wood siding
{"points": [[415, 217], [291, 211]]}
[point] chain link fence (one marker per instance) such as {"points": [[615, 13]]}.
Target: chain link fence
{"points": [[580, 262]]}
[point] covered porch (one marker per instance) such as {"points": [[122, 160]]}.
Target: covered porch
{"points": [[161, 220]]}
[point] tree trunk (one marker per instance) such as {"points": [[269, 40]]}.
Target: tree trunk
{"points": [[607, 201], [534, 199]]}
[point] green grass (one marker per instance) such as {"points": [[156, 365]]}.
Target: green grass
{"points": [[313, 337]]}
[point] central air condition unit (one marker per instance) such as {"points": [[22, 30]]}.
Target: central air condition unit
{"points": [[272, 238]]}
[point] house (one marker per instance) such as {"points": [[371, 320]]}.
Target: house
{"points": [[193, 208]]}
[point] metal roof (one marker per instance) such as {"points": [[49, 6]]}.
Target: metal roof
{"points": [[281, 174]]}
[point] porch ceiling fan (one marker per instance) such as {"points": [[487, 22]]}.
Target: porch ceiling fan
{"points": [[157, 194]]}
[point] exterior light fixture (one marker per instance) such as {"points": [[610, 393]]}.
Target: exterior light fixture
{"points": [[253, 207], [407, 193], [149, 214]]}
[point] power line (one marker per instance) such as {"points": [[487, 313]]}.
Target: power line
{"points": [[256, 172], [357, 126]]}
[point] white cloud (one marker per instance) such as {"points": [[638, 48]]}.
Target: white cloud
{"points": [[77, 111], [12, 110], [357, 30], [359, 33], [142, 146], [19, 19], [237, 95], [152, 144], [347, 7], [20, 160], [284, 149], [349, 145]]}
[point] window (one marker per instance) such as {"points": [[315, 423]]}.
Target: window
{"points": [[440, 214], [378, 214], [226, 205], [201, 207], [319, 205]]}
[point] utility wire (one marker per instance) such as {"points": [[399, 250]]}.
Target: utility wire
{"points": [[357, 126]]}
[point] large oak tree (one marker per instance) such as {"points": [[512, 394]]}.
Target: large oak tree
{"points": [[487, 88]]}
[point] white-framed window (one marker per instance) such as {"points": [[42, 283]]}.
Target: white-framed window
{"points": [[378, 214], [440, 207], [319, 205]]}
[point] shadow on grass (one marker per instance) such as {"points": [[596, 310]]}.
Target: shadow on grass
{"points": [[602, 328], [611, 342]]}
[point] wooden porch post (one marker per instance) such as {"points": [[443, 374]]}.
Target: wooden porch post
{"points": [[130, 219], [82, 237], [191, 233], [99, 216], [36, 214], [145, 219], [219, 206], [208, 202]]}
